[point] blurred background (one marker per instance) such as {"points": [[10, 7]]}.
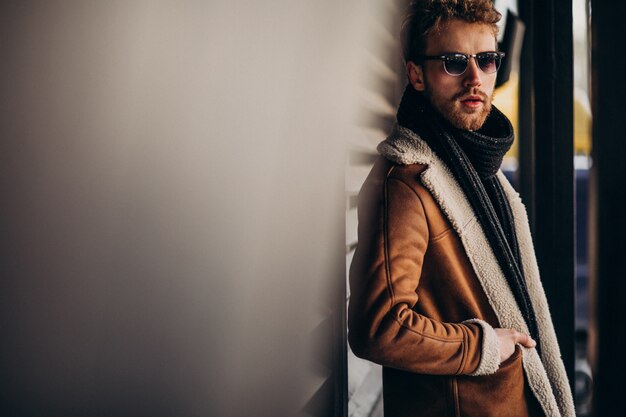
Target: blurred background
{"points": [[179, 185], [172, 215]]}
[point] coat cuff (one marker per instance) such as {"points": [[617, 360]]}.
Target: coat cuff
{"points": [[490, 352]]}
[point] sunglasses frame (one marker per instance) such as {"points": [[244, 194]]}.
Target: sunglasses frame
{"points": [[457, 55]]}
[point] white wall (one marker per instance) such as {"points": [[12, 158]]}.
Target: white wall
{"points": [[172, 182]]}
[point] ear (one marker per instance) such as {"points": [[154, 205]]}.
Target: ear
{"points": [[416, 75]]}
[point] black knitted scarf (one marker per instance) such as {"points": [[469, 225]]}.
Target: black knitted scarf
{"points": [[474, 159]]}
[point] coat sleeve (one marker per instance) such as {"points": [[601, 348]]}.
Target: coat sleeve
{"points": [[384, 276]]}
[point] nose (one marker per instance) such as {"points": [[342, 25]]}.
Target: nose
{"points": [[471, 77]]}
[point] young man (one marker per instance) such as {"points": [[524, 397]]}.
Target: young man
{"points": [[445, 290]]}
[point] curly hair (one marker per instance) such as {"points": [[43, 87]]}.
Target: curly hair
{"points": [[427, 16]]}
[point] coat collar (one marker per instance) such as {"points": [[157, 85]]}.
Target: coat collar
{"points": [[546, 375], [405, 147]]}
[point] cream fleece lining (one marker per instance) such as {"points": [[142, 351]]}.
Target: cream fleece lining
{"points": [[490, 357]]}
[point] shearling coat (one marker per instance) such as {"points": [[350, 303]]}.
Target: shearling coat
{"points": [[427, 293]]}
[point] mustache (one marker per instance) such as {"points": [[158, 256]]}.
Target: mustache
{"points": [[470, 92]]}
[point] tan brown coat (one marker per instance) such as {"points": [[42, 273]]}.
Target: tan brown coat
{"points": [[427, 292]]}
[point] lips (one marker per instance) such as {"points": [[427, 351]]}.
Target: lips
{"points": [[472, 101], [472, 98]]}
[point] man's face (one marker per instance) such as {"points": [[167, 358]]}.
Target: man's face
{"points": [[464, 100]]}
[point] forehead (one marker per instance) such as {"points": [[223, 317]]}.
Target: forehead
{"points": [[460, 36]]}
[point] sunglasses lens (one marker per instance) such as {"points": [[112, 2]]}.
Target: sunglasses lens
{"points": [[489, 62], [455, 66]]}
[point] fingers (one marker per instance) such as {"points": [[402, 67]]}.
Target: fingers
{"points": [[508, 338], [516, 337], [524, 340]]}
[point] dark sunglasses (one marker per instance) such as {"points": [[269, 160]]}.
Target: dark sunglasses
{"points": [[455, 64]]}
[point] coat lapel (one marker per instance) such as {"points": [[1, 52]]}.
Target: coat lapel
{"points": [[550, 364]]}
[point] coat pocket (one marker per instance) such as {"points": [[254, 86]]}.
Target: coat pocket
{"points": [[500, 394]]}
